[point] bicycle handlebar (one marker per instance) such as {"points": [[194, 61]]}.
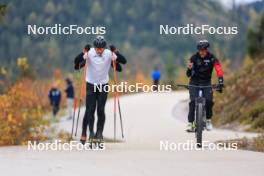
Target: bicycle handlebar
{"points": [[187, 86]]}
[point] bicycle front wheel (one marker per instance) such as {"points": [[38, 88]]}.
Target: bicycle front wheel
{"points": [[199, 124]]}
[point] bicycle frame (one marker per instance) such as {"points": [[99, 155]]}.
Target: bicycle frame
{"points": [[200, 110]]}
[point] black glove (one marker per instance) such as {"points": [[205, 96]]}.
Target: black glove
{"points": [[79, 62], [112, 48], [78, 59], [87, 47], [79, 65], [220, 84]]}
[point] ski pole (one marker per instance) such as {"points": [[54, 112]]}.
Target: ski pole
{"points": [[78, 116], [115, 95], [114, 118], [121, 121], [114, 67], [82, 94], [116, 98], [74, 112], [80, 103], [73, 118]]}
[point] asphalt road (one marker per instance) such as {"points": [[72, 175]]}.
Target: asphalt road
{"points": [[149, 120]]}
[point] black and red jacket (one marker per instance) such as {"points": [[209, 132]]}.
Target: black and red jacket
{"points": [[201, 72]]}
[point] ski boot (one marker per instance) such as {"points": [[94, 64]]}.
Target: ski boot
{"points": [[99, 140], [91, 139], [83, 140]]}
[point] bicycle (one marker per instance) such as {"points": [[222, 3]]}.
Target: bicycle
{"points": [[200, 119]]}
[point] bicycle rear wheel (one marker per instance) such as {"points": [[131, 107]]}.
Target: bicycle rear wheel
{"points": [[199, 124]]}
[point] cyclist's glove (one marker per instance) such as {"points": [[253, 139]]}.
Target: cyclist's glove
{"points": [[221, 84]]}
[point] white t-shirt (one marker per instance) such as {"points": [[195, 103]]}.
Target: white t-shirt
{"points": [[97, 67]]}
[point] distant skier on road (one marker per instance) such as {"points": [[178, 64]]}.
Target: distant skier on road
{"points": [[70, 97], [55, 98], [156, 78]]}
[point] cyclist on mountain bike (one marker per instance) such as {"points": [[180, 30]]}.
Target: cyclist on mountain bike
{"points": [[200, 70]]}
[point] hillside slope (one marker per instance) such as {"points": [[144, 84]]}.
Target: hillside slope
{"points": [[131, 26], [243, 98]]}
